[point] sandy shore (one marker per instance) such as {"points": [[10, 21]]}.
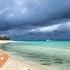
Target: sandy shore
{"points": [[14, 63], [6, 41], [17, 63]]}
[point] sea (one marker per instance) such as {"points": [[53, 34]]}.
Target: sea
{"points": [[51, 53]]}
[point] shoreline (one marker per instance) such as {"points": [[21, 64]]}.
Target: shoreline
{"points": [[18, 63], [6, 41]]}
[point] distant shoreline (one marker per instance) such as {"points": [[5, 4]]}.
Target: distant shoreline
{"points": [[6, 41]]}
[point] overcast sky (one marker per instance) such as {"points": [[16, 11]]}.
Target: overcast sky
{"points": [[35, 19]]}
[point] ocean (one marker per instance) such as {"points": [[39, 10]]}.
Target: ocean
{"points": [[51, 53]]}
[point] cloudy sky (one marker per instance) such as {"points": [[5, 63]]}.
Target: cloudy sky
{"points": [[35, 19]]}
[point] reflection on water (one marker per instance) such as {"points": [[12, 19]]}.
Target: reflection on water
{"points": [[46, 53]]}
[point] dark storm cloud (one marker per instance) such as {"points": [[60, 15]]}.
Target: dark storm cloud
{"points": [[19, 17]]}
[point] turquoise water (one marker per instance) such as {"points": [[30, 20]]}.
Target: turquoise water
{"points": [[46, 53]]}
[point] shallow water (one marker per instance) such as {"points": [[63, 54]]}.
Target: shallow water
{"points": [[52, 53]]}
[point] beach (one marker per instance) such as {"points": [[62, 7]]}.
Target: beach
{"points": [[36, 55], [16, 63]]}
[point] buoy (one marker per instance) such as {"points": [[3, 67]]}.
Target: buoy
{"points": [[3, 59]]}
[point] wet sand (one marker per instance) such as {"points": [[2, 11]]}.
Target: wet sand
{"points": [[16, 63]]}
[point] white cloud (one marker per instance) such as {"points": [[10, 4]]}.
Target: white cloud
{"points": [[46, 28], [26, 9], [63, 26], [68, 25], [10, 15], [19, 2], [3, 10]]}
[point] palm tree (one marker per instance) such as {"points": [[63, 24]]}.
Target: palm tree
{"points": [[4, 38]]}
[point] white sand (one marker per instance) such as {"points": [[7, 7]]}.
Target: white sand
{"points": [[6, 41], [16, 63]]}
